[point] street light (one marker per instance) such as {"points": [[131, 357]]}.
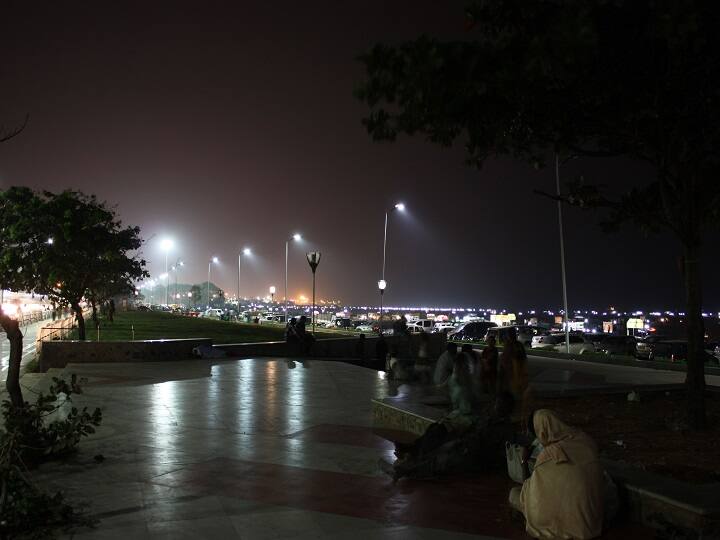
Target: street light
{"points": [[247, 252], [176, 268], [272, 293], [166, 245], [214, 260], [381, 285], [296, 237], [400, 207]]}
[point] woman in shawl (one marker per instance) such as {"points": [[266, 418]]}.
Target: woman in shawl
{"points": [[564, 496]]}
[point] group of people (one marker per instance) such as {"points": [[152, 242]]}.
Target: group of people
{"points": [[564, 495], [297, 336]]}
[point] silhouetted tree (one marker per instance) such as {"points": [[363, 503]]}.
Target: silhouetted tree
{"points": [[539, 78]]}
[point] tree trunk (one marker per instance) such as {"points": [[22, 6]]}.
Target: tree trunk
{"points": [[695, 380], [15, 337], [80, 320]]}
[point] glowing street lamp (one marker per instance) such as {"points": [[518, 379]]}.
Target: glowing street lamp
{"points": [[166, 245], [381, 286], [214, 260], [297, 238], [400, 207], [272, 293], [247, 252], [176, 268]]}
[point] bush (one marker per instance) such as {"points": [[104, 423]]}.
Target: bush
{"points": [[28, 439]]}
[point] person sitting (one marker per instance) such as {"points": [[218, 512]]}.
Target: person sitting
{"points": [[564, 496], [444, 366], [444, 450], [397, 368]]}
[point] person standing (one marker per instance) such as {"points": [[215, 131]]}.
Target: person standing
{"points": [[444, 366], [488, 367], [422, 364]]}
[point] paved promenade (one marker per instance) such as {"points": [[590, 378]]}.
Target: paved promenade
{"points": [[259, 449]]}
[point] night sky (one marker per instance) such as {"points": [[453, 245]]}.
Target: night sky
{"points": [[225, 125]]}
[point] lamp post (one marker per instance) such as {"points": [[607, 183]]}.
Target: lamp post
{"points": [[213, 260], [400, 207], [246, 251], [381, 285], [296, 237], [176, 269], [313, 259], [272, 294], [166, 246], [562, 252]]}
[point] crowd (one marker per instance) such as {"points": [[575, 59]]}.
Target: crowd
{"points": [[564, 489]]}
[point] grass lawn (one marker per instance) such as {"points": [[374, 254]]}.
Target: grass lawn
{"points": [[159, 325]]}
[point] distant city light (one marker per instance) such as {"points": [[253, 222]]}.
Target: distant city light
{"points": [[297, 237], [166, 244], [247, 251], [215, 260], [400, 206]]}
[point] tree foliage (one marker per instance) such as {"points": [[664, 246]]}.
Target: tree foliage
{"points": [[596, 78]]}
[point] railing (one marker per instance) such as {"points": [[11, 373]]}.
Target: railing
{"points": [[59, 329]]}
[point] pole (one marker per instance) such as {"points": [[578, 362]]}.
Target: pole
{"points": [[238, 295], [313, 306], [381, 315], [383, 271], [208, 287], [562, 252], [286, 280], [167, 279]]}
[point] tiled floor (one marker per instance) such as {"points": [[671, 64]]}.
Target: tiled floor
{"points": [[256, 449]]}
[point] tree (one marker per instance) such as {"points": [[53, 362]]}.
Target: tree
{"points": [[21, 244], [195, 294], [89, 254], [533, 78]]}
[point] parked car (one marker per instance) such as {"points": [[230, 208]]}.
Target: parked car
{"points": [[524, 333], [675, 350], [621, 345], [546, 341], [579, 344], [443, 327], [366, 328], [471, 331], [420, 325], [643, 348], [213, 313]]}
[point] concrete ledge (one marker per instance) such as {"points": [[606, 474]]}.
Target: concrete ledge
{"points": [[413, 418], [57, 354], [345, 347], [687, 510]]}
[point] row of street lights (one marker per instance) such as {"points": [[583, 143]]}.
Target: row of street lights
{"points": [[313, 260]]}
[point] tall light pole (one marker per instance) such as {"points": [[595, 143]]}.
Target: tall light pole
{"points": [[381, 285], [272, 294], [166, 246], [247, 252], [215, 261], [400, 207], [176, 269], [562, 252], [296, 237], [313, 259]]}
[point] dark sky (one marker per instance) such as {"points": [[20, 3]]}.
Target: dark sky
{"points": [[230, 124]]}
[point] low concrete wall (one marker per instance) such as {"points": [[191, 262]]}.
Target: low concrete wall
{"points": [[346, 347], [57, 354]]}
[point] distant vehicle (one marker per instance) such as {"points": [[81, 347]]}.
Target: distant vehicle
{"points": [[675, 350], [546, 341], [620, 345], [471, 331], [643, 348], [443, 327], [143, 308], [579, 344], [343, 322], [420, 325], [213, 313], [524, 333], [364, 328]]}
